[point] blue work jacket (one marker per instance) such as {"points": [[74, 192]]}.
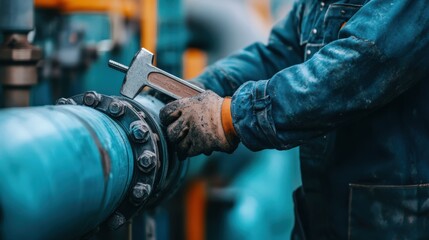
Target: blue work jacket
{"points": [[348, 82]]}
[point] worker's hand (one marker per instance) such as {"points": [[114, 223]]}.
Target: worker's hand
{"points": [[165, 98], [196, 125]]}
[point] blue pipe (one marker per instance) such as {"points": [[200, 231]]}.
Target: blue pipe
{"points": [[63, 170], [16, 16]]}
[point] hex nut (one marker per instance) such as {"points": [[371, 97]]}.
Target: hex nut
{"points": [[116, 108], [141, 192], [147, 161], [16, 48], [91, 99], [66, 101], [116, 220], [139, 131]]}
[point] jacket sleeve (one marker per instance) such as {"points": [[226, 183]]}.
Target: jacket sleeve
{"points": [[380, 53], [257, 61]]}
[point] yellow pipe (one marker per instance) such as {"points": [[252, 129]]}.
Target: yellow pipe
{"points": [[194, 61], [47, 3], [126, 8], [148, 24], [195, 207]]}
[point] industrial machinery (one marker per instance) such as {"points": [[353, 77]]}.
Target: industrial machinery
{"points": [[84, 167], [18, 58], [108, 158], [98, 166]]}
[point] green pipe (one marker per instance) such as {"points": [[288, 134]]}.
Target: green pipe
{"points": [[63, 170]]}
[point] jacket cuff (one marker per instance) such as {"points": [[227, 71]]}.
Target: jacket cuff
{"points": [[251, 115]]}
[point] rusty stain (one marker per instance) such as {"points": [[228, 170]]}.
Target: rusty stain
{"points": [[104, 155]]}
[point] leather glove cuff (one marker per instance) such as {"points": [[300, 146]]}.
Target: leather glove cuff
{"points": [[226, 119]]}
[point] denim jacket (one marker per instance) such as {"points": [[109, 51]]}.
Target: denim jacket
{"points": [[348, 82]]}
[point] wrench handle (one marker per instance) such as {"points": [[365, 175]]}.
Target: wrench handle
{"points": [[172, 86]]}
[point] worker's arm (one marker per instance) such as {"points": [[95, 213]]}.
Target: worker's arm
{"points": [[258, 61], [380, 53]]}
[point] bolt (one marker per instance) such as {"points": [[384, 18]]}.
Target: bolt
{"points": [[141, 192], [116, 220], [66, 101], [91, 99], [147, 161], [139, 131], [62, 101], [116, 108], [142, 114]]}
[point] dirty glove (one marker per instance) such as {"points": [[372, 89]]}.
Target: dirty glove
{"points": [[200, 124]]}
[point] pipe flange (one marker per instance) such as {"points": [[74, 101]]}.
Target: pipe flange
{"points": [[144, 140], [164, 158]]}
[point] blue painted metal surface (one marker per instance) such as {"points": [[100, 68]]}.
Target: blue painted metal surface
{"points": [[171, 36], [63, 170], [10, 21], [71, 78], [97, 28]]}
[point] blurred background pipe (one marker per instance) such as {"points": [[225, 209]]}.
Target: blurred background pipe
{"points": [[222, 27], [18, 58], [10, 21], [64, 170]]}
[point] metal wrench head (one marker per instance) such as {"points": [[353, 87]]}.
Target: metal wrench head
{"points": [[136, 76]]}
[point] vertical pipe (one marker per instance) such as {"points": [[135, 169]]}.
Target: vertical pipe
{"points": [[18, 58], [16, 16], [149, 24], [63, 170]]}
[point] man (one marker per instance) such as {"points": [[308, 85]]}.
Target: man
{"points": [[346, 81]]}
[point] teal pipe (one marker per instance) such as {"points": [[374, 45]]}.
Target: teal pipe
{"points": [[63, 170]]}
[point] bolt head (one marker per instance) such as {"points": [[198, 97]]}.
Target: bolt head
{"points": [[139, 131], [66, 101], [116, 108], [62, 101], [116, 220], [147, 161], [141, 192], [91, 99]]}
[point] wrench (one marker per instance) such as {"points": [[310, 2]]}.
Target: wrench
{"points": [[142, 73]]}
